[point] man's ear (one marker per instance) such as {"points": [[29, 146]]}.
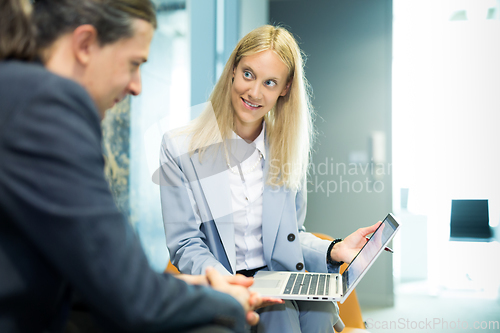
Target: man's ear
{"points": [[83, 42], [287, 87]]}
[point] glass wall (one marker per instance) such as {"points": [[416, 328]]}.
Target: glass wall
{"points": [[162, 105]]}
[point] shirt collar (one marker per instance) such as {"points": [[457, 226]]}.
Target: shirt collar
{"points": [[259, 142]]}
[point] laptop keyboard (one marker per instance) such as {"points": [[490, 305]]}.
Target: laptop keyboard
{"points": [[307, 284]]}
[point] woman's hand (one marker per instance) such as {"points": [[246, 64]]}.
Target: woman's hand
{"points": [[347, 249]]}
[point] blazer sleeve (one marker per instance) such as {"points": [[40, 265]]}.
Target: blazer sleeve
{"points": [[314, 249], [184, 230], [55, 191]]}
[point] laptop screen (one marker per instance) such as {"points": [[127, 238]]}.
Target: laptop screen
{"points": [[369, 252]]}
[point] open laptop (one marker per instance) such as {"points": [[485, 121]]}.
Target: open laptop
{"points": [[326, 286]]}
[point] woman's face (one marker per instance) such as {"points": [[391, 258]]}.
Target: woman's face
{"points": [[259, 80]]}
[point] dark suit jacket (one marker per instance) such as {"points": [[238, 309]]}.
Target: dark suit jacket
{"points": [[60, 229]]}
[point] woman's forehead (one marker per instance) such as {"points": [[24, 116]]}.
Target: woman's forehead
{"points": [[266, 61]]}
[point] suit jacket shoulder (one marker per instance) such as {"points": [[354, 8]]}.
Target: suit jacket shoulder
{"points": [[21, 83]]}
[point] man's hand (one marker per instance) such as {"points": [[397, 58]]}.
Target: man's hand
{"points": [[347, 249], [267, 301], [193, 279], [237, 279], [249, 300], [244, 281]]}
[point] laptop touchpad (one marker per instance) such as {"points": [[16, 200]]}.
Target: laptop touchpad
{"points": [[262, 283]]}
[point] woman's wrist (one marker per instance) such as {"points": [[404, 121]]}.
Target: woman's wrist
{"points": [[333, 250]]}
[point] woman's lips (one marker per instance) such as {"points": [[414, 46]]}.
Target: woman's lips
{"points": [[249, 105]]}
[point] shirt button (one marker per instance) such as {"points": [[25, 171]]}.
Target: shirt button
{"points": [[291, 237], [300, 266], [246, 198]]}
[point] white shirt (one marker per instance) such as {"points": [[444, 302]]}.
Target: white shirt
{"points": [[246, 199]]}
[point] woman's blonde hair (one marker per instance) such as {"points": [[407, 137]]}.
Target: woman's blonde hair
{"points": [[289, 131]]}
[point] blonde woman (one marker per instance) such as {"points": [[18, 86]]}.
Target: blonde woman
{"points": [[233, 182]]}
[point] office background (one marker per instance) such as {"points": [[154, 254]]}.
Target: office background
{"points": [[406, 96]]}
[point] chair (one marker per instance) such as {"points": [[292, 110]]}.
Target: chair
{"points": [[350, 311], [171, 268], [470, 220]]}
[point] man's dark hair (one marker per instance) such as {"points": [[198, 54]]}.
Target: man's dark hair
{"points": [[111, 18], [17, 37]]}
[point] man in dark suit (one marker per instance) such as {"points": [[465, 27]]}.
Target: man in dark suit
{"points": [[60, 230]]}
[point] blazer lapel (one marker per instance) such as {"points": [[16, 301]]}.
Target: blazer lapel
{"points": [[213, 176], [273, 202]]}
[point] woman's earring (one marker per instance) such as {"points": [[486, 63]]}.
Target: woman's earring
{"points": [[232, 80]]}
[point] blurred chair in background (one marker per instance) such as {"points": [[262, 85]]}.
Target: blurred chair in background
{"points": [[469, 220]]}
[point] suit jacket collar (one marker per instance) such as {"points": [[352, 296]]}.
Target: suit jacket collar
{"points": [[273, 202], [212, 173]]}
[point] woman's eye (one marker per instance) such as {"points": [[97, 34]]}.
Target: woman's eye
{"points": [[270, 83], [247, 75]]}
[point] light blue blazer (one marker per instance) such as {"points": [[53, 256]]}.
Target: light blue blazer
{"points": [[196, 205]]}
